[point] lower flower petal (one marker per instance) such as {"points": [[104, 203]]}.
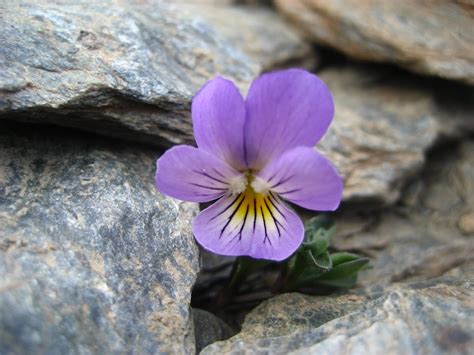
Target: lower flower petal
{"points": [[191, 174], [257, 225]]}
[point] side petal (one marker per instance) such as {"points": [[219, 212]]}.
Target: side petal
{"points": [[218, 112], [190, 174], [285, 109], [306, 178], [249, 224]]}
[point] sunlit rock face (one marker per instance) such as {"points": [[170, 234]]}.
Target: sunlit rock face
{"points": [[428, 37], [129, 69]]}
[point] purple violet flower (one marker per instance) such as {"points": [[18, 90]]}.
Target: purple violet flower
{"points": [[252, 154]]}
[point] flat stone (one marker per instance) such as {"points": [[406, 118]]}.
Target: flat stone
{"points": [[129, 69], [385, 123], [399, 320], [429, 37], [93, 259], [294, 312]]}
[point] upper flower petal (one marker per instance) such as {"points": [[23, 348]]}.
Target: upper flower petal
{"points": [[285, 109], [249, 224], [306, 178], [218, 112], [190, 174]]}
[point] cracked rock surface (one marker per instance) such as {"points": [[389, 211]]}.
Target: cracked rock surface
{"points": [[93, 259]]}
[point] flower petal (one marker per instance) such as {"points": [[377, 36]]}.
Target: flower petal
{"points": [[218, 112], [249, 224], [190, 174], [306, 178], [285, 109]]}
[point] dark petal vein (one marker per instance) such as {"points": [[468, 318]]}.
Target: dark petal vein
{"points": [[290, 191], [210, 176], [265, 228], [274, 219], [232, 216], [225, 209], [208, 187], [282, 181], [245, 220], [254, 214], [274, 202]]}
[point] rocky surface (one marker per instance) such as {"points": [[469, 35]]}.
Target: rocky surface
{"points": [[92, 258], [135, 78], [384, 123], [130, 68], [253, 31], [411, 319], [422, 237], [430, 37], [208, 329]]}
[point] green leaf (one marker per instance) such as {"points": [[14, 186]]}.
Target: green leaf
{"points": [[318, 232], [343, 257], [303, 269], [322, 261], [312, 265], [343, 271], [317, 246], [345, 283], [322, 221]]}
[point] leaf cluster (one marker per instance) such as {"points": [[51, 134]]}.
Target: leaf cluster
{"points": [[313, 264]]}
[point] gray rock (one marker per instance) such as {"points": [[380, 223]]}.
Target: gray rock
{"points": [[293, 312], [384, 124], [421, 237], [430, 37], [208, 329], [130, 68], [92, 258], [400, 320], [253, 30]]}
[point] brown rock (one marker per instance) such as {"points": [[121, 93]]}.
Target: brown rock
{"points": [[430, 37], [383, 125], [466, 223]]}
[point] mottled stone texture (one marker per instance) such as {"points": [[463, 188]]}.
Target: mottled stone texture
{"points": [[400, 320], [385, 121], [130, 68], [92, 258], [431, 37], [420, 238]]}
